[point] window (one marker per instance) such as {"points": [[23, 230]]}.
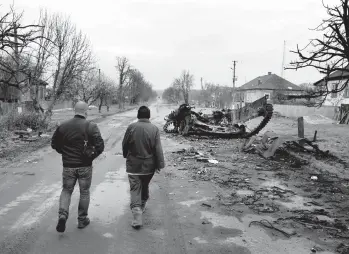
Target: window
{"points": [[334, 87], [346, 92]]}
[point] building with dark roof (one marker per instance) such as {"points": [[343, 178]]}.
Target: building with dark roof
{"points": [[268, 85]]}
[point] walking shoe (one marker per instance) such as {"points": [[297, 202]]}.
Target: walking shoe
{"points": [[61, 223], [137, 221], [83, 223]]}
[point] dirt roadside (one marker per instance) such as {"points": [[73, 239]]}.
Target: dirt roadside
{"points": [[13, 149], [258, 205]]}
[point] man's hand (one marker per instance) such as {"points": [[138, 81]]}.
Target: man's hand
{"points": [[157, 170]]}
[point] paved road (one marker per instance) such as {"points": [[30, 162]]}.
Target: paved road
{"points": [[29, 192]]}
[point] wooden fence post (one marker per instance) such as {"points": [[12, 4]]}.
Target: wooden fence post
{"points": [[300, 127]]}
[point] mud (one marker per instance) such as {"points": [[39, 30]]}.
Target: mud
{"points": [[280, 190]]}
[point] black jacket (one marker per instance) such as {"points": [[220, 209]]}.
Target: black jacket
{"points": [[68, 140]]}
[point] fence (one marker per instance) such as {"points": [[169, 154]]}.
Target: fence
{"points": [[6, 107], [59, 104], [294, 111]]}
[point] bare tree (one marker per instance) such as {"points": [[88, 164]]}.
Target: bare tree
{"points": [[71, 56], [15, 39], [123, 69], [85, 87], [138, 88], [184, 83], [172, 95], [39, 58], [328, 54]]}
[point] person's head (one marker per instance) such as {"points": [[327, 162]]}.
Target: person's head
{"points": [[81, 108], [143, 112]]}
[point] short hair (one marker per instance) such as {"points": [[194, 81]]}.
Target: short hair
{"points": [[143, 112]]}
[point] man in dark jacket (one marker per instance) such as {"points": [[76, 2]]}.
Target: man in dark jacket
{"points": [[69, 140], [142, 148]]}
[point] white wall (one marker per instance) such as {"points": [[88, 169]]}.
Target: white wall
{"points": [[294, 111], [251, 96], [336, 101]]}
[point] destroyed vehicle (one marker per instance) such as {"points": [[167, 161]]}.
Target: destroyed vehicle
{"points": [[185, 121]]}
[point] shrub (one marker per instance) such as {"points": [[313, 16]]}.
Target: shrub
{"points": [[23, 121]]}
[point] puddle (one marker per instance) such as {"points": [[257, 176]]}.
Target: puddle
{"points": [[223, 220], [199, 240], [258, 239], [297, 202], [115, 125], [245, 193], [110, 198], [226, 232], [47, 198], [108, 235], [274, 183], [193, 202], [32, 194]]}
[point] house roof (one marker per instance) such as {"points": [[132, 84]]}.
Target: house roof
{"points": [[336, 75], [270, 82]]}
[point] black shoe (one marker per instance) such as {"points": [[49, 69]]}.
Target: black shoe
{"points": [[61, 224], [83, 223]]}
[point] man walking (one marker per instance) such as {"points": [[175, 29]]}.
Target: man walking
{"points": [[142, 148], [70, 140]]}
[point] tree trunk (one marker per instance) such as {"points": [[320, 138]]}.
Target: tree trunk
{"points": [[186, 98], [100, 105]]}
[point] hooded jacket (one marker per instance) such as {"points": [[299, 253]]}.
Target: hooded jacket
{"points": [[142, 148]]}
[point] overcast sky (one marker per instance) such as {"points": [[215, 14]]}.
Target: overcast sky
{"points": [[163, 37]]}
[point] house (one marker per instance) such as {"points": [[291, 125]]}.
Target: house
{"points": [[13, 94], [270, 85], [335, 80]]}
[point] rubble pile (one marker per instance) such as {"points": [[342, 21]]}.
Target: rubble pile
{"points": [[274, 176]]}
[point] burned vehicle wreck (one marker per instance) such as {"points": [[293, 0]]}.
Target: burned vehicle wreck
{"points": [[185, 121]]}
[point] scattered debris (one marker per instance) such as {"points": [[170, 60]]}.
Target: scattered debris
{"points": [[342, 248], [207, 205], [267, 224], [205, 221]]}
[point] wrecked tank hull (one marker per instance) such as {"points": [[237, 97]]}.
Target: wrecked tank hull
{"points": [[187, 122]]}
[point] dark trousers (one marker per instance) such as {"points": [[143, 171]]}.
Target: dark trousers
{"points": [[70, 175], [139, 189]]}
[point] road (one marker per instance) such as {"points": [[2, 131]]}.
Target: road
{"points": [[175, 222], [30, 189]]}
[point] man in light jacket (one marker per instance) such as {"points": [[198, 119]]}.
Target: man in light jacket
{"points": [[142, 149]]}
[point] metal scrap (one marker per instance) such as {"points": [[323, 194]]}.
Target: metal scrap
{"points": [[269, 225]]}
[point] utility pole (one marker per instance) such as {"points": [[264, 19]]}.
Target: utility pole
{"points": [[283, 61], [234, 79]]}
